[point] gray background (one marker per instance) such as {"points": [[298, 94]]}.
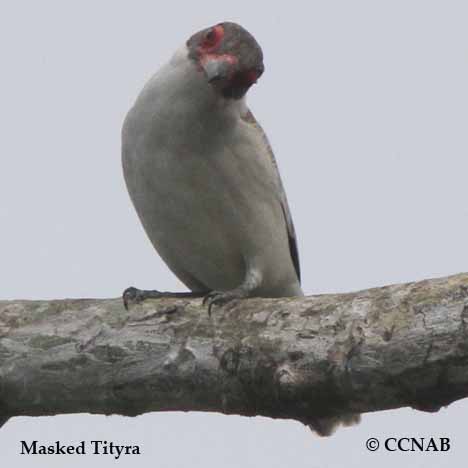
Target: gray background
{"points": [[366, 105]]}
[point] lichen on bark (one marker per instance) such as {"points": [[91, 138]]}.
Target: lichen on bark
{"points": [[300, 358]]}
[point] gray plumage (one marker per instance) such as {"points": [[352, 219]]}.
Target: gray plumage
{"points": [[203, 180]]}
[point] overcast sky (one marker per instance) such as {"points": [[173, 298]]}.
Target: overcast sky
{"points": [[366, 106]]}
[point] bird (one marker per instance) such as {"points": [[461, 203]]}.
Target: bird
{"points": [[204, 182], [202, 176]]}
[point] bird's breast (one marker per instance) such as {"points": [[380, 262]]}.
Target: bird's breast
{"points": [[205, 197]]}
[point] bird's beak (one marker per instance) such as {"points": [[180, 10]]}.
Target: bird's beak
{"points": [[217, 68]]}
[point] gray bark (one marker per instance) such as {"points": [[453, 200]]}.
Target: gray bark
{"points": [[299, 358]]}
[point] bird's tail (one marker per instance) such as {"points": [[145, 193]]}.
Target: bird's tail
{"points": [[326, 426]]}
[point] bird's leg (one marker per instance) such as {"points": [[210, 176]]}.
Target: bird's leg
{"points": [[135, 295], [252, 281]]}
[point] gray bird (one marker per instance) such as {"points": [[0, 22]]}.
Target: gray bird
{"points": [[202, 176], [204, 182]]}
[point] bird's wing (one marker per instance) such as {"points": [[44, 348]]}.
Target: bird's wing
{"points": [[249, 118]]}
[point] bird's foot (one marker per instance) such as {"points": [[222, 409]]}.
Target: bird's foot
{"points": [[221, 298], [135, 295]]}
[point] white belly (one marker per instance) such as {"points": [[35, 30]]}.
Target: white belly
{"points": [[204, 191], [189, 221]]}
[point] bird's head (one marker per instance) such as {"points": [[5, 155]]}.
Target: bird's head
{"points": [[229, 56]]}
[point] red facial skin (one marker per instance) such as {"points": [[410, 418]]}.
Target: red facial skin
{"points": [[209, 45], [231, 59], [212, 39], [207, 52], [251, 76]]}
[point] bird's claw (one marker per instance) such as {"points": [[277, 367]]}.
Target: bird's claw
{"points": [[130, 295], [135, 295], [221, 298]]}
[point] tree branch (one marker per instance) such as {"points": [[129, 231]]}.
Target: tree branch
{"points": [[300, 358]]}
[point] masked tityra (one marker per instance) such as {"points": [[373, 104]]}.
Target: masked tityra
{"points": [[203, 178], [204, 182]]}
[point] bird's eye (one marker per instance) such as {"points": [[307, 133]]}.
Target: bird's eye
{"points": [[213, 36], [210, 36]]}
